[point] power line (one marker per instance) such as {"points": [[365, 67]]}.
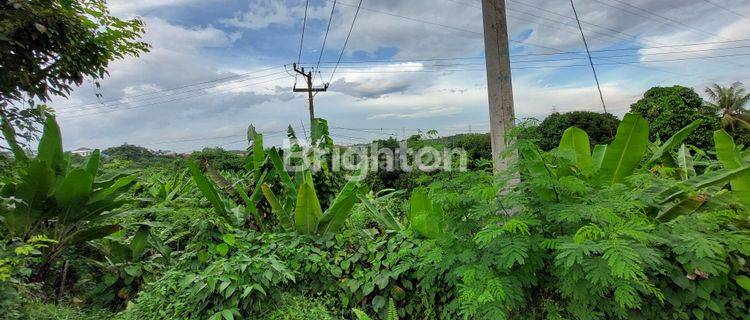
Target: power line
{"points": [[125, 101], [302, 38], [635, 37], [591, 61], [325, 38], [348, 35], [222, 79], [673, 21], [727, 9], [166, 101]]}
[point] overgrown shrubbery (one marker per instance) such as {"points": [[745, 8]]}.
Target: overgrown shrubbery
{"points": [[600, 127]]}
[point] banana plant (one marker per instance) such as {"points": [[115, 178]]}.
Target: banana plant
{"points": [[228, 207], [303, 213], [731, 158], [165, 188], [614, 163], [126, 262], [375, 205], [65, 203]]}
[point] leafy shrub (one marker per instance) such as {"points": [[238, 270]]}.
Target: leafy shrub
{"points": [[600, 127], [352, 267], [592, 244], [219, 159], [669, 109]]}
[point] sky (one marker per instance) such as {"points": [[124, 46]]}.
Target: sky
{"points": [[217, 66]]}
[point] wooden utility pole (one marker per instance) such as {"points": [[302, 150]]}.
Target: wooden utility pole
{"points": [[308, 78], [499, 86]]}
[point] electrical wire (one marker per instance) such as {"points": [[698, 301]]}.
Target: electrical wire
{"points": [[348, 35], [591, 61], [325, 38]]}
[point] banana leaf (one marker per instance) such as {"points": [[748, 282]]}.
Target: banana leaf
{"points": [[673, 142], [277, 208], [72, 193], [576, 142], [685, 163], [731, 158], [335, 216], [92, 165], [384, 217], [207, 189], [139, 241], [34, 188], [598, 156], [307, 212], [717, 177], [92, 233], [624, 154], [50, 145]]}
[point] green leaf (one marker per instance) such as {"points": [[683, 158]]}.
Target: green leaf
{"points": [[384, 217], [685, 163], [139, 241], [717, 177], [624, 154], [118, 186], [598, 156], [674, 141], [92, 233], [307, 212], [33, 189], [74, 189], [576, 141], [134, 270], [227, 314], [72, 193], [424, 217], [277, 208], [335, 216], [743, 281], [207, 188], [378, 302], [222, 249], [278, 164], [50, 145], [92, 165], [731, 158], [536, 166], [228, 239]]}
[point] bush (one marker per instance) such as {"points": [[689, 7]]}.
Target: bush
{"points": [[600, 127], [219, 159], [669, 109]]}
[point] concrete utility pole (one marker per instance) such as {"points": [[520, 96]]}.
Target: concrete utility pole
{"points": [[499, 86], [308, 78]]}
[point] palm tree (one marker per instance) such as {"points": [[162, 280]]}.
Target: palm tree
{"points": [[730, 102]]}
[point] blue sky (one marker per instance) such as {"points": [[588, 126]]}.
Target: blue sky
{"points": [[236, 51]]}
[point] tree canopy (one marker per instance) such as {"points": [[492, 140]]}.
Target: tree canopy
{"points": [[669, 109], [48, 47]]}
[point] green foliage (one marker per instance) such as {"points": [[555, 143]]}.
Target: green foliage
{"points": [[669, 109], [625, 153], [599, 127], [47, 311], [731, 158], [48, 48], [65, 203], [219, 159]]}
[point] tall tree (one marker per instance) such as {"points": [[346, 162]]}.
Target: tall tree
{"points": [[48, 47], [669, 109], [730, 102]]}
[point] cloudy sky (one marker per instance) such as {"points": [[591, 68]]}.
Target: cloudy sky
{"points": [[217, 66]]}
